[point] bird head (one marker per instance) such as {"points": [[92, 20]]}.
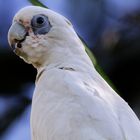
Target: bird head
{"points": [[41, 36]]}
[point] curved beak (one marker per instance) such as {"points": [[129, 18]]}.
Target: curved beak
{"points": [[16, 35]]}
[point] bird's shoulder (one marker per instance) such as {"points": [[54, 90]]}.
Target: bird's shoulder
{"points": [[87, 92]]}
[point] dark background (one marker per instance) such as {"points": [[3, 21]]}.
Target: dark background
{"points": [[111, 28]]}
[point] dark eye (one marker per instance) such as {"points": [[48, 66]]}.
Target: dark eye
{"points": [[40, 24], [38, 21]]}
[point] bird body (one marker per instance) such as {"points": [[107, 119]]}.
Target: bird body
{"points": [[80, 105], [71, 100]]}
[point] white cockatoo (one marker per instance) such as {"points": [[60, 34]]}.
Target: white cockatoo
{"points": [[71, 100]]}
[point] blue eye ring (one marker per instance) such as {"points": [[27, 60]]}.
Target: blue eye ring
{"points": [[40, 24]]}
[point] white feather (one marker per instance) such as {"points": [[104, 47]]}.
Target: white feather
{"points": [[77, 105], [71, 101]]}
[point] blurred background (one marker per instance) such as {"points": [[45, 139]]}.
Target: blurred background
{"points": [[110, 28]]}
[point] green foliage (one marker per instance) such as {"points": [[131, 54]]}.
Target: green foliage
{"points": [[97, 67], [88, 51], [37, 3]]}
